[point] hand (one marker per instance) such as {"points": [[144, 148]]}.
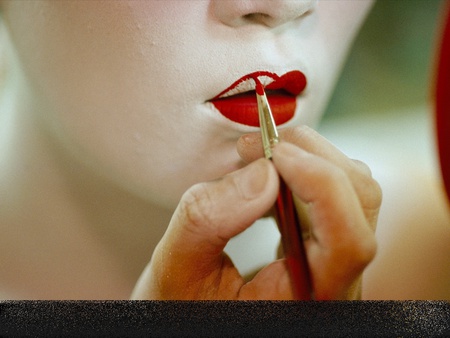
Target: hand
{"points": [[342, 199], [339, 202]]}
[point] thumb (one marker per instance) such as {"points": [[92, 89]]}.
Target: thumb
{"points": [[211, 213], [208, 216]]}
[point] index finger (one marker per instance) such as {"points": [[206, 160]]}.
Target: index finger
{"points": [[343, 242], [249, 147]]}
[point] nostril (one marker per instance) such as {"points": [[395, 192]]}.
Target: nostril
{"points": [[256, 16], [270, 13]]}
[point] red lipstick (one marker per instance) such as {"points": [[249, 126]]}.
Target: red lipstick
{"points": [[237, 102]]}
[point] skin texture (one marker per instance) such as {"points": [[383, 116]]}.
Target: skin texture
{"points": [[327, 183], [106, 138]]}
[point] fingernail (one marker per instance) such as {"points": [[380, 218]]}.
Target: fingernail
{"points": [[253, 178], [250, 139]]}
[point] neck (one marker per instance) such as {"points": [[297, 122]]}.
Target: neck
{"points": [[66, 232]]}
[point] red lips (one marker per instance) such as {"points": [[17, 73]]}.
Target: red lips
{"points": [[238, 101]]}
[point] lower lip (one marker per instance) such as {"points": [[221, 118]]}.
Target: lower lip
{"points": [[243, 108]]}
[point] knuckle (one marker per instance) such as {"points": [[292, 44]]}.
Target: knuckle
{"points": [[358, 253], [368, 189], [197, 207], [333, 176], [371, 193], [362, 167], [338, 174], [364, 252]]}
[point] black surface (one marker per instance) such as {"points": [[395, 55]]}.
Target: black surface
{"points": [[217, 318]]}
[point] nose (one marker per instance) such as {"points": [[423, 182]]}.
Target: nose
{"points": [[271, 13]]}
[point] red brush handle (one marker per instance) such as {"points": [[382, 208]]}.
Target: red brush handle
{"points": [[294, 249]]}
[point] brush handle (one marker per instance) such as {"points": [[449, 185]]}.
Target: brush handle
{"points": [[294, 249]]}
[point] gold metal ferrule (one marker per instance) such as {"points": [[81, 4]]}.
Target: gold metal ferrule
{"points": [[268, 127]]}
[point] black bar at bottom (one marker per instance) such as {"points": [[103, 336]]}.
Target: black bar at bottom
{"points": [[225, 318]]}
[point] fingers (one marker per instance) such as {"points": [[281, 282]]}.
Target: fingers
{"points": [[340, 198], [210, 214], [369, 192], [343, 241], [190, 254], [271, 283], [189, 262]]}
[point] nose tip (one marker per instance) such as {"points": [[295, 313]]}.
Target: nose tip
{"points": [[271, 13]]}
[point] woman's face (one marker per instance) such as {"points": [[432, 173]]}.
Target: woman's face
{"points": [[125, 86]]}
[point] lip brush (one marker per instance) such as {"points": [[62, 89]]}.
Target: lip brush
{"points": [[285, 213]]}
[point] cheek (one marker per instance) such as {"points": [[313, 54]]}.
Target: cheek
{"points": [[104, 88], [329, 41], [340, 22]]}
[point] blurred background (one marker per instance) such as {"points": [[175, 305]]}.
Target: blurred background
{"points": [[381, 110], [389, 65]]}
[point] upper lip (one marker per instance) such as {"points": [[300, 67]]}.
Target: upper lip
{"points": [[238, 102], [293, 83]]}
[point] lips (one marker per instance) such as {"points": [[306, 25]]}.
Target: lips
{"points": [[238, 102]]}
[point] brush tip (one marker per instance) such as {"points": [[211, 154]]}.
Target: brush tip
{"points": [[259, 88]]}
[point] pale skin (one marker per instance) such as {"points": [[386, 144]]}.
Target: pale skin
{"points": [[91, 98]]}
